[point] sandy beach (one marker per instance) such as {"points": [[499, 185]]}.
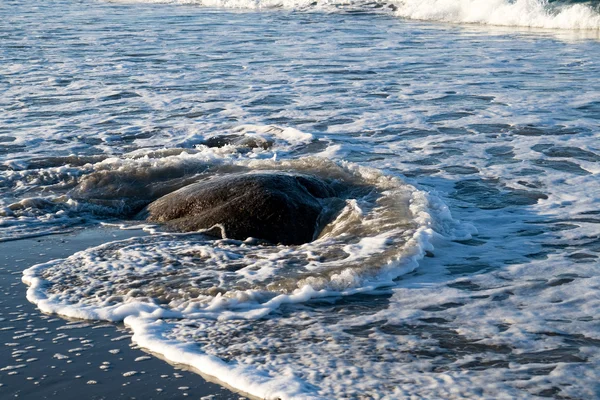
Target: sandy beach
{"points": [[45, 356]]}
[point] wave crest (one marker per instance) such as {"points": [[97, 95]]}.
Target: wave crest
{"points": [[541, 14], [380, 235], [523, 13]]}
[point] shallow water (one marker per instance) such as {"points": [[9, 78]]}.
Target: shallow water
{"points": [[44, 356], [472, 270]]}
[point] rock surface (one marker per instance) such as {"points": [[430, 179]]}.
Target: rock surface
{"points": [[244, 142], [277, 207]]}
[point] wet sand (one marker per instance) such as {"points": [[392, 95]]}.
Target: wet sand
{"points": [[45, 356]]}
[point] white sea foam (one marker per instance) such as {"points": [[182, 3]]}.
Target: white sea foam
{"points": [[290, 136], [503, 127], [227, 280], [517, 13], [523, 13], [393, 228]]}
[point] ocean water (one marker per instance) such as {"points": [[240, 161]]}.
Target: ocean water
{"points": [[468, 269]]}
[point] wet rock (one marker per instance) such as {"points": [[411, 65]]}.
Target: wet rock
{"points": [[128, 189], [277, 207], [240, 141]]}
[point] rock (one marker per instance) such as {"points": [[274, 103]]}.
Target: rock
{"points": [[128, 189], [277, 207], [244, 143]]}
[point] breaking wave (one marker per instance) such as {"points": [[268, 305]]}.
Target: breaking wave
{"points": [[544, 14], [521, 13], [377, 236], [163, 283]]}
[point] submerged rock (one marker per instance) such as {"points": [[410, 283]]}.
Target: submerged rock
{"points": [[278, 207], [128, 189]]}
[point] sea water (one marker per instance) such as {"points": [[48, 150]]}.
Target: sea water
{"points": [[468, 269]]}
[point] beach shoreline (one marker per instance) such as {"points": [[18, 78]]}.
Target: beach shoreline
{"points": [[48, 356]]}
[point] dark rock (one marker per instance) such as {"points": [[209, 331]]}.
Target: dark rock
{"points": [[241, 141], [277, 207], [129, 189]]}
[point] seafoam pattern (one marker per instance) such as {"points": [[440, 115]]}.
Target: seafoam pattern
{"points": [[499, 123], [517, 13], [196, 280]]}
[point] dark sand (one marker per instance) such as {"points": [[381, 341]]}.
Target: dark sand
{"points": [[45, 356]]}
